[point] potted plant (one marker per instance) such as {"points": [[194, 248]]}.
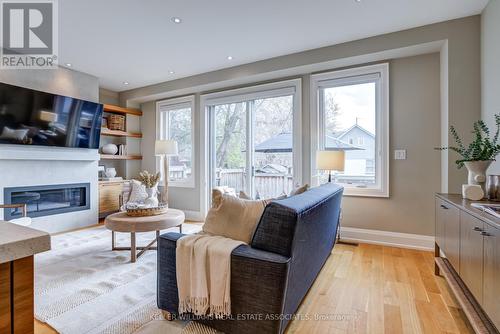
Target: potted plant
{"points": [[150, 181], [479, 154]]}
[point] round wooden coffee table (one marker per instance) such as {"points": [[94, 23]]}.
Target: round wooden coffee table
{"points": [[120, 222]]}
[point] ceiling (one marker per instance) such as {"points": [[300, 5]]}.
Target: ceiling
{"points": [[136, 41]]}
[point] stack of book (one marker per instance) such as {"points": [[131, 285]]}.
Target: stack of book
{"points": [[122, 149]]}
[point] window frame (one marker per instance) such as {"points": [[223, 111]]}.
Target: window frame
{"points": [[246, 93], [380, 73], [162, 133]]}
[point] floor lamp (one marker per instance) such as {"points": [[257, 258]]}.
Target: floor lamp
{"points": [[165, 149], [333, 161]]}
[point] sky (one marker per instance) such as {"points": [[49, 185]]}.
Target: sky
{"points": [[355, 101]]}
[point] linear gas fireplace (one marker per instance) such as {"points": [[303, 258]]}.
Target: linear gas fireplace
{"points": [[47, 200]]}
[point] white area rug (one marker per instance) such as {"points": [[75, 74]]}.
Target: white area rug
{"points": [[81, 286]]}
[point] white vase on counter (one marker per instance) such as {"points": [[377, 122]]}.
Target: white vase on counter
{"points": [[477, 173]]}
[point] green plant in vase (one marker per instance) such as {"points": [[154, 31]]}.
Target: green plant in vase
{"points": [[479, 154]]}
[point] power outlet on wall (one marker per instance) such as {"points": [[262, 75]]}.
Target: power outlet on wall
{"points": [[399, 154]]}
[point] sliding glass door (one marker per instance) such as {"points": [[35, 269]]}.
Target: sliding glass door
{"points": [[229, 160], [251, 143], [272, 147]]}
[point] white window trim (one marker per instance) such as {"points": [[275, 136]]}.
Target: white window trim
{"points": [[250, 92], [382, 124], [172, 104]]}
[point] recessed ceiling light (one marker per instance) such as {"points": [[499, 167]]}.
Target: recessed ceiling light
{"points": [[358, 1], [125, 83], [171, 72], [176, 20], [69, 64], [229, 57]]}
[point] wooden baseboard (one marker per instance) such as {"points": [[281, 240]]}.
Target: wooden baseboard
{"points": [[386, 238], [477, 318]]}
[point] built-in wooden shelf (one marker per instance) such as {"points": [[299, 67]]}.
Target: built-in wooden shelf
{"points": [[121, 110], [120, 157], [118, 133]]}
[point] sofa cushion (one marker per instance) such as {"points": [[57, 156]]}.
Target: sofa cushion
{"points": [[233, 217]]}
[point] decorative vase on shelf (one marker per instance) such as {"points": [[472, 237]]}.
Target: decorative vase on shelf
{"points": [[110, 172], [109, 149], [151, 201], [477, 172]]}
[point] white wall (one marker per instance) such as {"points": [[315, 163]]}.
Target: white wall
{"points": [[60, 170], [490, 68]]}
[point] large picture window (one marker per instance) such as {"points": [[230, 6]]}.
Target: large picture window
{"points": [[175, 122], [350, 114]]}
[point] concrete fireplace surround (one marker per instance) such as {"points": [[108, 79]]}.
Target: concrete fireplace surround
{"points": [[28, 166]]}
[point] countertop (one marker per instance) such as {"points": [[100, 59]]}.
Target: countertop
{"points": [[19, 241], [465, 204]]}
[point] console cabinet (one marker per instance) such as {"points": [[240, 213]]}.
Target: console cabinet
{"points": [[109, 197], [491, 273], [471, 251], [448, 231], [470, 241]]}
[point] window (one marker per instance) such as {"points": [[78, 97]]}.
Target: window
{"points": [[254, 139], [351, 114], [175, 121]]}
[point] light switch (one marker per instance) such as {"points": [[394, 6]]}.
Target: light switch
{"points": [[399, 154]]}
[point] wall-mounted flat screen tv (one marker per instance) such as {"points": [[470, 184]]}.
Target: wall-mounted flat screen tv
{"points": [[31, 117]]}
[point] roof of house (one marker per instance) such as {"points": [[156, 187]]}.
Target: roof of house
{"points": [[358, 127], [284, 142]]}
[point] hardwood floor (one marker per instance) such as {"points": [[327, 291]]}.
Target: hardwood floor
{"points": [[374, 289], [378, 289]]}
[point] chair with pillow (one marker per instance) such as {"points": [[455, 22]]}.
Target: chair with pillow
{"points": [[272, 274], [24, 220]]}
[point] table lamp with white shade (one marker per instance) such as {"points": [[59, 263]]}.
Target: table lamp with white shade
{"points": [[330, 161], [333, 161], [165, 148]]}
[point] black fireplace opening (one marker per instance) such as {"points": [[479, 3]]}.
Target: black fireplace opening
{"points": [[48, 199]]}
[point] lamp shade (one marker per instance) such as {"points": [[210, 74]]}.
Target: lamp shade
{"points": [[48, 116], [330, 160], [166, 147]]}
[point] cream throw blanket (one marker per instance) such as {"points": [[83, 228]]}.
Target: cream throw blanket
{"points": [[204, 274], [203, 261]]}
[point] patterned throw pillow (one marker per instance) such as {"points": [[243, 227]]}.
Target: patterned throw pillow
{"points": [[137, 193]]}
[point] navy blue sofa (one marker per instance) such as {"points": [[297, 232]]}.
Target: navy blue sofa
{"points": [[271, 276]]}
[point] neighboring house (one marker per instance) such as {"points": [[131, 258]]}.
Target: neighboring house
{"points": [[359, 162], [273, 169]]}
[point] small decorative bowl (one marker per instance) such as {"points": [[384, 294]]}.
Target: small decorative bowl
{"points": [[143, 212]]}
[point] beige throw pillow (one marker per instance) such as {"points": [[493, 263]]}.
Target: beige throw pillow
{"points": [[232, 217], [299, 190]]}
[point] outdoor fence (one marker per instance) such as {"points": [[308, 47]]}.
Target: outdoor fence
{"points": [[267, 185]]}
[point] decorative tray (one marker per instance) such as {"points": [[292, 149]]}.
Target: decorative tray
{"points": [[144, 211]]}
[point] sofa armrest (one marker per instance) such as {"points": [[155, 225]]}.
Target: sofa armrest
{"points": [[258, 280]]}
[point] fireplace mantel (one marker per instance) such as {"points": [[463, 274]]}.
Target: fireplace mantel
{"points": [[21, 152]]}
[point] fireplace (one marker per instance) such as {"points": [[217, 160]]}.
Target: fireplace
{"points": [[48, 199]]}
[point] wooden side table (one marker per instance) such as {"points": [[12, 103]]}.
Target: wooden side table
{"points": [[120, 222]]}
